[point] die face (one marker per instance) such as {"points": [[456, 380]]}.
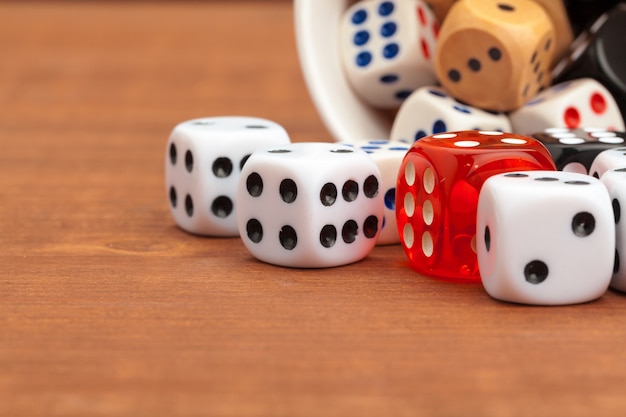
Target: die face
{"points": [[545, 237], [437, 195], [583, 103], [185, 195], [202, 164], [576, 150], [598, 53], [455, 68], [615, 182], [495, 55], [387, 49], [430, 110], [310, 205], [388, 156]]}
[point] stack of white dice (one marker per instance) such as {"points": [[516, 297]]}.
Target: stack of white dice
{"points": [[231, 176]]}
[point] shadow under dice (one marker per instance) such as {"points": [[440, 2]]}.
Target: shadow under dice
{"points": [[387, 49], [545, 237], [437, 195], [202, 164], [310, 205]]}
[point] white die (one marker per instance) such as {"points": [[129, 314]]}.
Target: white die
{"points": [[387, 49], [309, 205], [202, 164], [545, 237], [430, 110], [388, 157], [608, 160], [572, 104]]}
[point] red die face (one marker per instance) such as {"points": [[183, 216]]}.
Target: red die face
{"points": [[437, 195]]}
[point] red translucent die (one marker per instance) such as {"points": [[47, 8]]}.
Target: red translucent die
{"points": [[437, 195]]}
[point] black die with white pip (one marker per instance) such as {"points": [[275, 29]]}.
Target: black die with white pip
{"points": [[574, 150], [203, 161]]}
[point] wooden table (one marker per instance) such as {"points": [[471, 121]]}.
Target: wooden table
{"points": [[107, 308]]}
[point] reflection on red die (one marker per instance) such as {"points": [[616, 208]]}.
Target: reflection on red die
{"points": [[437, 195]]}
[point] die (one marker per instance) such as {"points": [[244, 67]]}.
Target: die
{"points": [[574, 150], [609, 159], [495, 55], [387, 49], [430, 110], [555, 9], [388, 157], [546, 237], [572, 104], [309, 205], [598, 53], [202, 164], [615, 182], [437, 195]]}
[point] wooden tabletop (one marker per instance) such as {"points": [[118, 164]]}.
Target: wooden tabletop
{"points": [[108, 309]]}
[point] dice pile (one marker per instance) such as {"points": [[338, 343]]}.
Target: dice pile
{"points": [[510, 65], [469, 205], [534, 215], [307, 205]]}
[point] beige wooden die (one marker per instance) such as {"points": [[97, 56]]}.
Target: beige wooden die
{"points": [[495, 55]]}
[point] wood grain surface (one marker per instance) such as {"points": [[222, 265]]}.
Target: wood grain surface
{"points": [[108, 309]]}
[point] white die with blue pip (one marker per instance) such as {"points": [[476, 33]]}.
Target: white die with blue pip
{"points": [[545, 237], [431, 110], [310, 205], [615, 182], [387, 49], [582, 103], [203, 161], [388, 157]]}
